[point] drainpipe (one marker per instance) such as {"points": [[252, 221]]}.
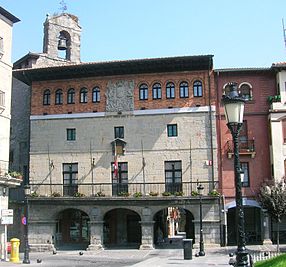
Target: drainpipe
{"points": [[218, 132], [211, 122]]}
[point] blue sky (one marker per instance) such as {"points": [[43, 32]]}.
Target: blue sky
{"points": [[244, 33]]}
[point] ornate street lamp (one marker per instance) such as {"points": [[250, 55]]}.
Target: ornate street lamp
{"points": [[26, 251], [200, 189], [234, 108]]}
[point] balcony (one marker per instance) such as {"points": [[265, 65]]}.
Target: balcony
{"points": [[246, 148], [120, 190]]}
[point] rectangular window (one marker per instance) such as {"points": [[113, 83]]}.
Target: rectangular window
{"points": [[71, 134], [245, 177], [173, 176], [119, 178], [119, 132], [172, 130], [70, 178], [2, 99]]}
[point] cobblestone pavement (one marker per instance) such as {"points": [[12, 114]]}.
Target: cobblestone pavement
{"points": [[215, 256]]}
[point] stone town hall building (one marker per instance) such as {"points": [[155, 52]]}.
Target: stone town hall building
{"points": [[108, 141]]}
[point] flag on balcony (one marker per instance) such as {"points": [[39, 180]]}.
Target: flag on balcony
{"points": [[115, 166]]}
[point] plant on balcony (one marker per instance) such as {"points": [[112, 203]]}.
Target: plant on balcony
{"points": [[34, 194], [78, 194], [16, 174], [166, 194], [153, 194], [274, 98], [137, 194], [179, 193], [100, 194], [194, 193], [56, 194], [124, 194], [214, 193]]}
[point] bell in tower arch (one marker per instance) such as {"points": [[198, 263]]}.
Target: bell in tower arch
{"points": [[62, 44]]}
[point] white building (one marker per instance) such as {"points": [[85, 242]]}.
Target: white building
{"points": [[277, 118], [6, 26]]}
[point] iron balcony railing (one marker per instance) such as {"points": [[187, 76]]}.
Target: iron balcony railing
{"points": [[244, 146], [122, 189]]}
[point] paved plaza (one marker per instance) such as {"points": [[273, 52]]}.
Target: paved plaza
{"points": [[215, 256]]}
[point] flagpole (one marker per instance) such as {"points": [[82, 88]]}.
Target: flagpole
{"points": [[143, 168]]}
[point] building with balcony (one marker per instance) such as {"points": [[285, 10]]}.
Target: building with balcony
{"points": [[7, 21], [254, 149], [117, 149]]}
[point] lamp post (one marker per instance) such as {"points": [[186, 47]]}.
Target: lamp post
{"points": [[200, 189], [26, 251], [234, 108]]}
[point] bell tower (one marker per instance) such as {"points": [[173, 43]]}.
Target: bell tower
{"points": [[62, 37]]}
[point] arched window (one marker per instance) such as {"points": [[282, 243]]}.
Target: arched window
{"points": [[59, 97], [184, 89], [245, 91], [83, 95], [95, 95], [170, 90], [71, 96], [47, 97], [157, 91], [198, 88], [143, 91]]}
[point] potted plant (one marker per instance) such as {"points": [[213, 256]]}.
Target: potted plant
{"points": [[137, 194], [166, 194], [78, 194], [56, 194], [16, 174], [194, 193], [124, 194], [214, 193], [153, 194], [34, 194], [179, 193], [100, 194]]}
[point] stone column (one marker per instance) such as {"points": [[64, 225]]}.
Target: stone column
{"points": [[266, 237], [96, 235], [41, 235], [147, 228]]}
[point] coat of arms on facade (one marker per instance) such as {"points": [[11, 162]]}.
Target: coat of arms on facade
{"points": [[120, 96]]}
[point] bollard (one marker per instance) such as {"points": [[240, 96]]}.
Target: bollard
{"points": [[188, 249], [15, 244]]}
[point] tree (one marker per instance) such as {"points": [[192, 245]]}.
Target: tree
{"points": [[273, 198]]}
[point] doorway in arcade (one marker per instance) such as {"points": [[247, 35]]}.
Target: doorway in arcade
{"points": [[253, 225], [122, 228], [72, 230]]}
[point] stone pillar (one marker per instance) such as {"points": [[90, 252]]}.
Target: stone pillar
{"points": [[147, 235], [266, 237], [41, 235], [96, 235]]}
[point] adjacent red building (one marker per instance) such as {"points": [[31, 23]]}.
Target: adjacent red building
{"points": [[255, 85]]}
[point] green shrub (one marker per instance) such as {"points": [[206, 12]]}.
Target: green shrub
{"points": [[194, 193], [124, 194], [100, 194], [56, 194], [153, 194], [214, 193], [137, 194], [78, 194]]}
